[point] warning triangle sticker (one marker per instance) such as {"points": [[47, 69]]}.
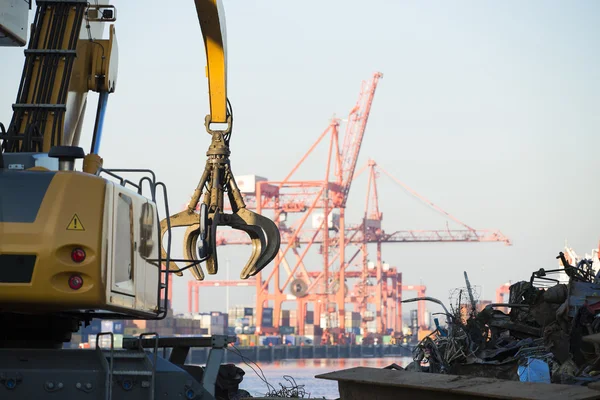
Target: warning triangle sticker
{"points": [[75, 224]]}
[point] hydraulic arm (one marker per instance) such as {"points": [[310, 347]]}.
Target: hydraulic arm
{"points": [[217, 178]]}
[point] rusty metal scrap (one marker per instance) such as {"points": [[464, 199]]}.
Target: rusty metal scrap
{"points": [[549, 323]]}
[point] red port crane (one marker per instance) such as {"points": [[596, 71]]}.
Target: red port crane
{"points": [[295, 203]]}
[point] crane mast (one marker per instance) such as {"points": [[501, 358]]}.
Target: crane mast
{"points": [[353, 137]]}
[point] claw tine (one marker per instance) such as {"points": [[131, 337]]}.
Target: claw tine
{"points": [[261, 230], [273, 242], [180, 219], [212, 266], [257, 238], [190, 241], [172, 266]]}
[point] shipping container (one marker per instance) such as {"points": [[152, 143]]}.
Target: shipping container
{"points": [[289, 340], [310, 317], [166, 331], [309, 329], [313, 330], [217, 330], [248, 340], [249, 329], [106, 326], [307, 340], [218, 321], [267, 317], [118, 327], [372, 326], [247, 183], [271, 341], [286, 330], [331, 322]]}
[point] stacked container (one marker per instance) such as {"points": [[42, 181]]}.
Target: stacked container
{"points": [[218, 323], [352, 322], [267, 317], [285, 318]]}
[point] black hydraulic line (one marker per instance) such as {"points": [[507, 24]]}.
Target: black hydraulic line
{"points": [[40, 72], [2, 134]]}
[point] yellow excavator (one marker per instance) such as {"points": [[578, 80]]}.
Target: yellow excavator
{"points": [[82, 245]]}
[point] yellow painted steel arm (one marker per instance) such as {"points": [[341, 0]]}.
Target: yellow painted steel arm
{"points": [[212, 23], [218, 179]]}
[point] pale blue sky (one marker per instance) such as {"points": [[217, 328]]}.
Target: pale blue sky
{"points": [[489, 109]]}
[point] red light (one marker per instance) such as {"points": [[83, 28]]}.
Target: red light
{"points": [[75, 282], [78, 255]]}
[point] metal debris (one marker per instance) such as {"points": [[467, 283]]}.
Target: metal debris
{"points": [[551, 334]]}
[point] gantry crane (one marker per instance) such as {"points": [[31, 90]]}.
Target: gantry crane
{"points": [[327, 289]]}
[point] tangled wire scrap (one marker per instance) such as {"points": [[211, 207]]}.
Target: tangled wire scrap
{"points": [[292, 391], [457, 344], [551, 333], [440, 353]]}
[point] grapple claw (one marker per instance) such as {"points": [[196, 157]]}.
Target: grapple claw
{"points": [[195, 238], [183, 218], [200, 240], [190, 242], [264, 235]]}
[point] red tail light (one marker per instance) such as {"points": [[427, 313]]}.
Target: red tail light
{"points": [[78, 255], [75, 282]]}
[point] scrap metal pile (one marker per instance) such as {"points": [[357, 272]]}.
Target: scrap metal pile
{"points": [[542, 338]]}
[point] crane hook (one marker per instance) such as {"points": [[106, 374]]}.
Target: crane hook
{"points": [[199, 242]]}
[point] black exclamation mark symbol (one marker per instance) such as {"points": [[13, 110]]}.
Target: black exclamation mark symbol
{"points": [[75, 222]]}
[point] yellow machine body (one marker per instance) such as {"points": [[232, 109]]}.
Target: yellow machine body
{"points": [[45, 215]]}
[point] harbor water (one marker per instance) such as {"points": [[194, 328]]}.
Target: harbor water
{"points": [[304, 371]]}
